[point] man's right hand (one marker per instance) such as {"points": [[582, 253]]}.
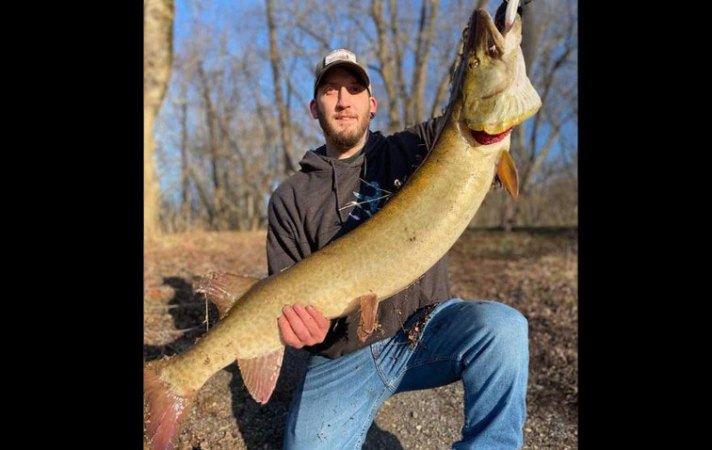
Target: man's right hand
{"points": [[301, 326]]}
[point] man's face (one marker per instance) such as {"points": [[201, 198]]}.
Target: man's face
{"points": [[343, 106]]}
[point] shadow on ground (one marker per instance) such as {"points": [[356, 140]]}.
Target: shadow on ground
{"points": [[261, 426]]}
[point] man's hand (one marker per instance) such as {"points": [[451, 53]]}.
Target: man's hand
{"points": [[300, 326]]}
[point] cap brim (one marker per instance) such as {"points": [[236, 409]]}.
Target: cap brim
{"points": [[348, 65]]}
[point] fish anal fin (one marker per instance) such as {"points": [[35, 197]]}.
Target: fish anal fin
{"points": [[508, 175], [260, 374], [369, 316], [224, 288]]}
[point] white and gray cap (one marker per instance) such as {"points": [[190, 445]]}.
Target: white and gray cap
{"points": [[344, 58]]}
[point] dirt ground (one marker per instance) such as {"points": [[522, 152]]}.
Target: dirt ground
{"points": [[535, 272]]}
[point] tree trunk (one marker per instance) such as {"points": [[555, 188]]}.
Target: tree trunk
{"points": [[184, 215], [214, 148], [387, 64], [157, 59], [428, 14], [398, 76], [285, 126]]}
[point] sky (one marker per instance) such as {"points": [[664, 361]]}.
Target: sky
{"points": [[246, 21]]}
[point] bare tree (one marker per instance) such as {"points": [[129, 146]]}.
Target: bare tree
{"points": [[213, 145], [387, 64], [285, 125], [414, 105], [226, 145], [157, 59], [184, 156], [391, 41]]}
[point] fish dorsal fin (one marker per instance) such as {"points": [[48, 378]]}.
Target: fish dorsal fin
{"points": [[369, 316], [260, 374], [224, 288]]}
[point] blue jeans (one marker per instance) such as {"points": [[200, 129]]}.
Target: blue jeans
{"points": [[482, 343]]}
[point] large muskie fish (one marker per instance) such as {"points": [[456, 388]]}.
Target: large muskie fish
{"points": [[490, 94]]}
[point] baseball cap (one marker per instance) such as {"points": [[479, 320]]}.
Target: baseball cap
{"points": [[340, 57]]}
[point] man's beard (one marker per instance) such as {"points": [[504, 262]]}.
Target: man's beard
{"points": [[343, 140]]}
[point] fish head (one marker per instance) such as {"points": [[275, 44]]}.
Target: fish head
{"points": [[496, 92]]}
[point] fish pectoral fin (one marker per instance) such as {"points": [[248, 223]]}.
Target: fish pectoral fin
{"points": [[369, 316], [260, 374], [223, 289], [508, 175]]}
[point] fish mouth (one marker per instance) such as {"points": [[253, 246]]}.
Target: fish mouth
{"points": [[488, 77], [484, 138], [479, 137], [497, 94], [486, 40]]}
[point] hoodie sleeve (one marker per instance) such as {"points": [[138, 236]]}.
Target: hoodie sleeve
{"points": [[427, 130], [282, 250]]}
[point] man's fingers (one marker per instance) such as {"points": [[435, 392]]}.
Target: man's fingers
{"points": [[288, 336], [312, 322], [297, 324], [300, 326], [321, 321]]}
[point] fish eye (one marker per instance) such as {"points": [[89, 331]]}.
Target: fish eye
{"points": [[473, 62]]}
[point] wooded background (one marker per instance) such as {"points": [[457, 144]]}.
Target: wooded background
{"points": [[227, 87]]}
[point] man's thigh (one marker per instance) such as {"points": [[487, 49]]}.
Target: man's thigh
{"points": [[336, 403]]}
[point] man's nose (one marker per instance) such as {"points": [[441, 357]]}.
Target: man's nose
{"points": [[344, 99]]}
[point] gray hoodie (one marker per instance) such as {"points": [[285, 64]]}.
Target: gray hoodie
{"points": [[329, 197]]}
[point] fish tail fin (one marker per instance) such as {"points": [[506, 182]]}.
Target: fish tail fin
{"points": [[166, 408]]}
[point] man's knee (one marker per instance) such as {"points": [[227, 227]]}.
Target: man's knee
{"points": [[508, 323], [504, 329]]}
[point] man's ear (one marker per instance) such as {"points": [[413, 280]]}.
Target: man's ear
{"points": [[313, 109], [374, 106]]}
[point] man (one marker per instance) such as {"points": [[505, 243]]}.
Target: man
{"points": [[425, 338]]}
